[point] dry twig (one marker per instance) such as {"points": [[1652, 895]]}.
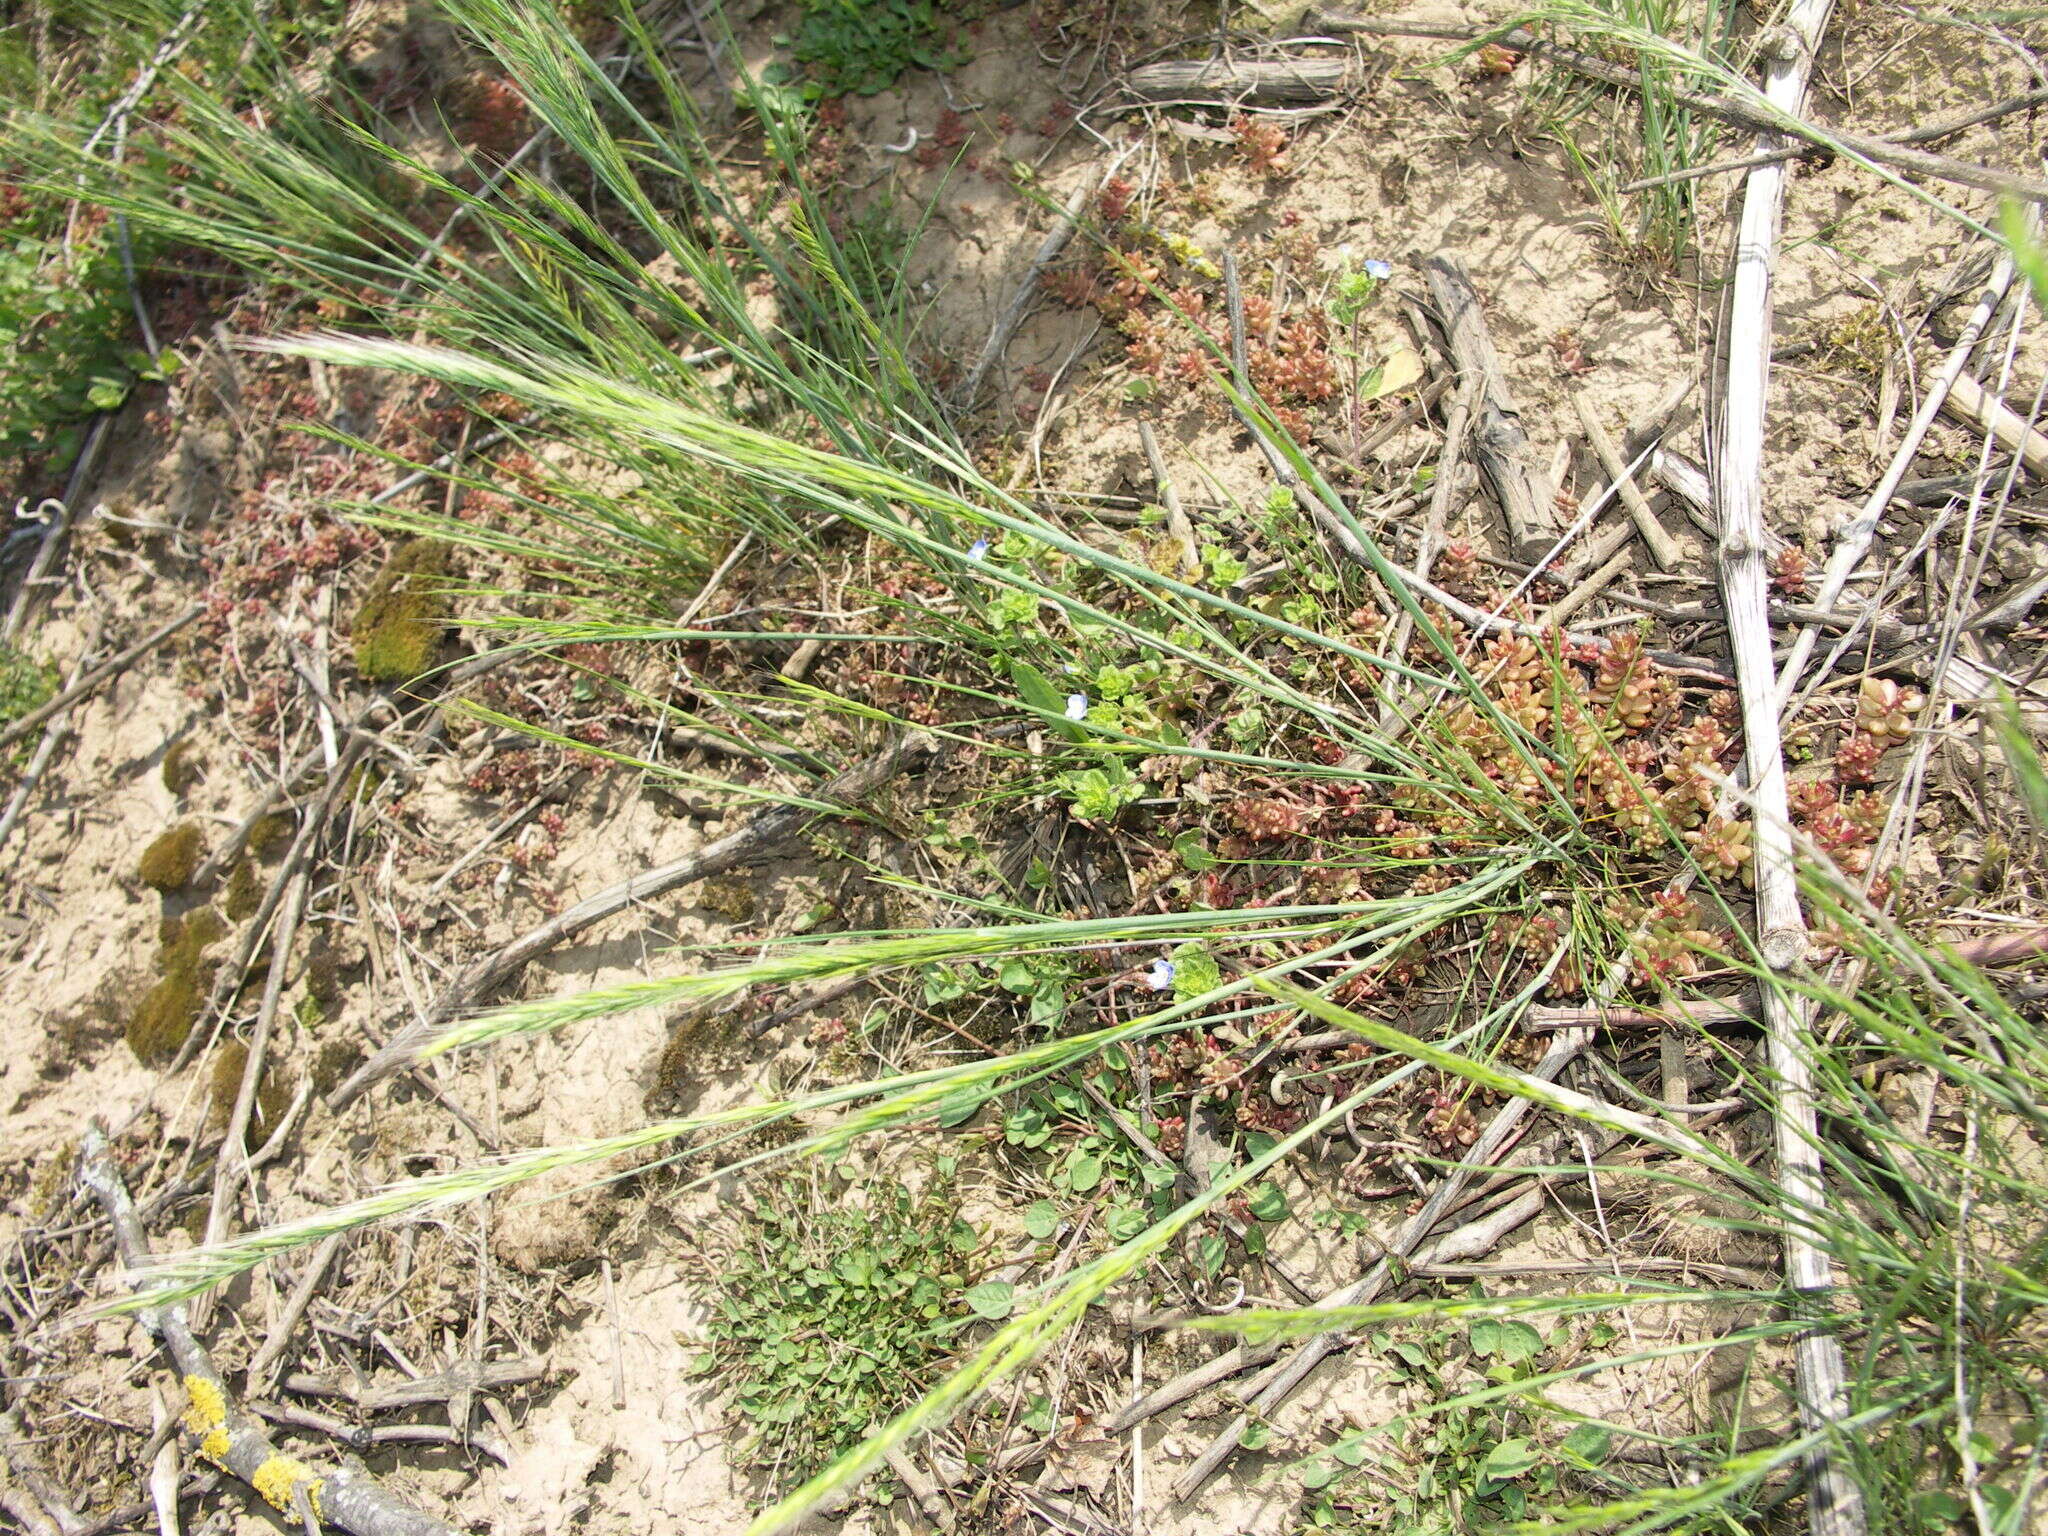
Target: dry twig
{"points": [[767, 831]]}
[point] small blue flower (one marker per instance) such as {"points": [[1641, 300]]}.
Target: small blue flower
{"points": [[1077, 706], [1160, 977], [1379, 271], [977, 549]]}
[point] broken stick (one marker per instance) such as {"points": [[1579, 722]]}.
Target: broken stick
{"points": [[1241, 82], [1501, 445]]}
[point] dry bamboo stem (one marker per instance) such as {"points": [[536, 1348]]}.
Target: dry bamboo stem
{"points": [[1854, 541], [1927, 133], [1834, 1502], [2009, 948], [1700, 1015], [1249, 82], [231, 1438]]}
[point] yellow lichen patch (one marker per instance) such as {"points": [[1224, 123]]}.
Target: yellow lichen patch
{"points": [[207, 1406], [404, 618], [215, 1446], [280, 1476]]}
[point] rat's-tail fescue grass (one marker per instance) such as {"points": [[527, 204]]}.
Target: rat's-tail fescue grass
{"points": [[715, 343]]}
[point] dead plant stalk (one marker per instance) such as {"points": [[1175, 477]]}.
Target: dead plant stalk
{"points": [[1834, 1502]]}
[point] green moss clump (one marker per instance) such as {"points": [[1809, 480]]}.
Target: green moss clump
{"points": [[333, 1061], [168, 1010], [265, 1115], [405, 615], [169, 863], [243, 895], [323, 974], [182, 766], [271, 833], [25, 683]]}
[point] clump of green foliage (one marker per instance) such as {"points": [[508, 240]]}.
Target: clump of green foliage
{"points": [[405, 616], [265, 1115], [25, 683], [832, 1316], [63, 324], [1467, 1465], [169, 863], [169, 1009], [859, 47]]}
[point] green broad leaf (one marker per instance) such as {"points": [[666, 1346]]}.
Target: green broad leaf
{"points": [[1193, 852], [1588, 1443], [1048, 1008], [1507, 1340], [1041, 1219], [959, 1108], [1509, 1460], [992, 1299], [1210, 1254], [1268, 1203], [1084, 1173], [1026, 1127], [1320, 1474], [1125, 1222], [1017, 976], [1255, 1436], [1037, 1415], [1036, 690], [942, 984]]}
